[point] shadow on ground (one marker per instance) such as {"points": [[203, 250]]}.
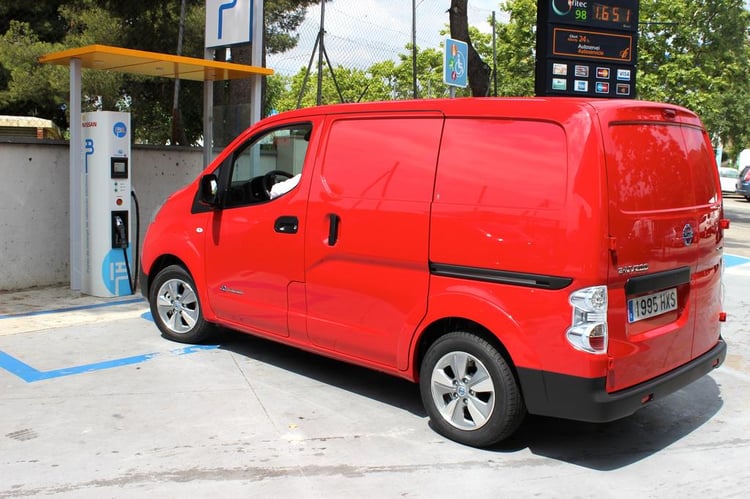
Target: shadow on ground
{"points": [[602, 447]]}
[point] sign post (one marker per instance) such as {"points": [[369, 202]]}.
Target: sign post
{"points": [[232, 23], [455, 64], [587, 48]]}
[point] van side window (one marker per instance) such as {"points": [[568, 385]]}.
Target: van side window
{"points": [[267, 166]]}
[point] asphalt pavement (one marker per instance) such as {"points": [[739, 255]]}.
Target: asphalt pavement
{"points": [[94, 403]]}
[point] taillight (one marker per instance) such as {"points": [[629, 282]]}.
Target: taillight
{"points": [[746, 178], [588, 329]]}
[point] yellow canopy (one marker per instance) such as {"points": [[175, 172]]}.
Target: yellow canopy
{"points": [[153, 63]]}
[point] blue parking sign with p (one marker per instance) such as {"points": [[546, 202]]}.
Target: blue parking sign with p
{"points": [[228, 22]]}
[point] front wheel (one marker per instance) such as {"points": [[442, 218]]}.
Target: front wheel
{"points": [[469, 391], [176, 308]]}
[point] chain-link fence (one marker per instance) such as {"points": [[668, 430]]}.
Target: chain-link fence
{"points": [[361, 33]]}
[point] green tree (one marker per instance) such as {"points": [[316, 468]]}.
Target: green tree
{"points": [[516, 49], [696, 54], [385, 80], [31, 29], [42, 18], [398, 75], [354, 85], [26, 88], [282, 17]]}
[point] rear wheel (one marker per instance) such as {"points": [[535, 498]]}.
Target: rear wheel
{"points": [[469, 391], [176, 308]]}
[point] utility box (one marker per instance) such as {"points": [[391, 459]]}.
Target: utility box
{"points": [[106, 222]]}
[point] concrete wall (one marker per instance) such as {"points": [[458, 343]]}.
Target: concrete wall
{"points": [[34, 221]]}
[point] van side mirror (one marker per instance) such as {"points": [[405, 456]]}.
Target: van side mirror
{"points": [[208, 192]]}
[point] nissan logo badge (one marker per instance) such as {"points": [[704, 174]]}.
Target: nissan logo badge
{"points": [[687, 234]]}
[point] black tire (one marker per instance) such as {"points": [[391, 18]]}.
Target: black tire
{"points": [[176, 308], [479, 406]]}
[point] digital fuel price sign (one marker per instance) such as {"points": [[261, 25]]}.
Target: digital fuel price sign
{"points": [[608, 14], [587, 48]]}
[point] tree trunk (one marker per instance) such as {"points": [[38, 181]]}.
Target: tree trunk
{"points": [[478, 71]]}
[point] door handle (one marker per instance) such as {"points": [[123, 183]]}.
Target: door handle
{"points": [[286, 225], [333, 228]]}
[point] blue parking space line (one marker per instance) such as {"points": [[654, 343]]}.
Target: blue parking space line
{"points": [[72, 309], [31, 375], [734, 260]]}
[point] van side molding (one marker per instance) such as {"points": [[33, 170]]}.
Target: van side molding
{"points": [[500, 276]]}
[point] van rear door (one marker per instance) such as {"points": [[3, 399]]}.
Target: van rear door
{"points": [[665, 240]]}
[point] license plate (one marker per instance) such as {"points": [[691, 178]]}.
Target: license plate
{"points": [[652, 305]]}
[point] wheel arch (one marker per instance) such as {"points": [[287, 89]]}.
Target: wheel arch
{"points": [[450, 324], [487, 319], [167, 260]]}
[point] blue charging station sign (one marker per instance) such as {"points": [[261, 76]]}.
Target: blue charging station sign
{"points": [[228, 22], [455, 63]]}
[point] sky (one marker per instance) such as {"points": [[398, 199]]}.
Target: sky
{"points": [[360, 32]]}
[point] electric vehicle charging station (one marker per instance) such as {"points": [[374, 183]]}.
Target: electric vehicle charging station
{"points": [[106, 192], [89, 226]]}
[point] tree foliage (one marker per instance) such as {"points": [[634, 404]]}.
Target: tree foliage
{"points": [[696, 54], [31, 29], [27, 89], [690, 53], [385, 80]]}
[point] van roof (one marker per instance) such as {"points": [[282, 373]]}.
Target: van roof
{"points": [[549, 107]]}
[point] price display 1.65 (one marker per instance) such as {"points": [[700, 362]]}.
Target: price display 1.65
{"points": [[609, 14]]}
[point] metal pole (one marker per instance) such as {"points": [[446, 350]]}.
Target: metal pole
{"points": [[208, 114], [176, 97], [494, 57], [256, 91], [75, 177], [414, 48], [321, 35]]}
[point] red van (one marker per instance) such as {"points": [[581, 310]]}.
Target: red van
{"points": [[560, 257]]}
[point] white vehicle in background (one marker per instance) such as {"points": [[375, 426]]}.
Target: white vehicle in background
{"points": [[728, 178]]}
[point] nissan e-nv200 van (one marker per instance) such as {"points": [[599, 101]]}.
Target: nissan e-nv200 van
{"points": [[552, 256]]}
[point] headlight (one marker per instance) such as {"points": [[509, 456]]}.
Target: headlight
{"points": [[588, 330]]}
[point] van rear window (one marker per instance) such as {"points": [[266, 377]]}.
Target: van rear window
{"points": [[654, 166]]}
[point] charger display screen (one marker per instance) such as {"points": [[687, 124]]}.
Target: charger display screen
{"points": [[119, 168]]}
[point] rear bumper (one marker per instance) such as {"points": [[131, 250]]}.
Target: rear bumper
{"points": [[585, 399]]}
